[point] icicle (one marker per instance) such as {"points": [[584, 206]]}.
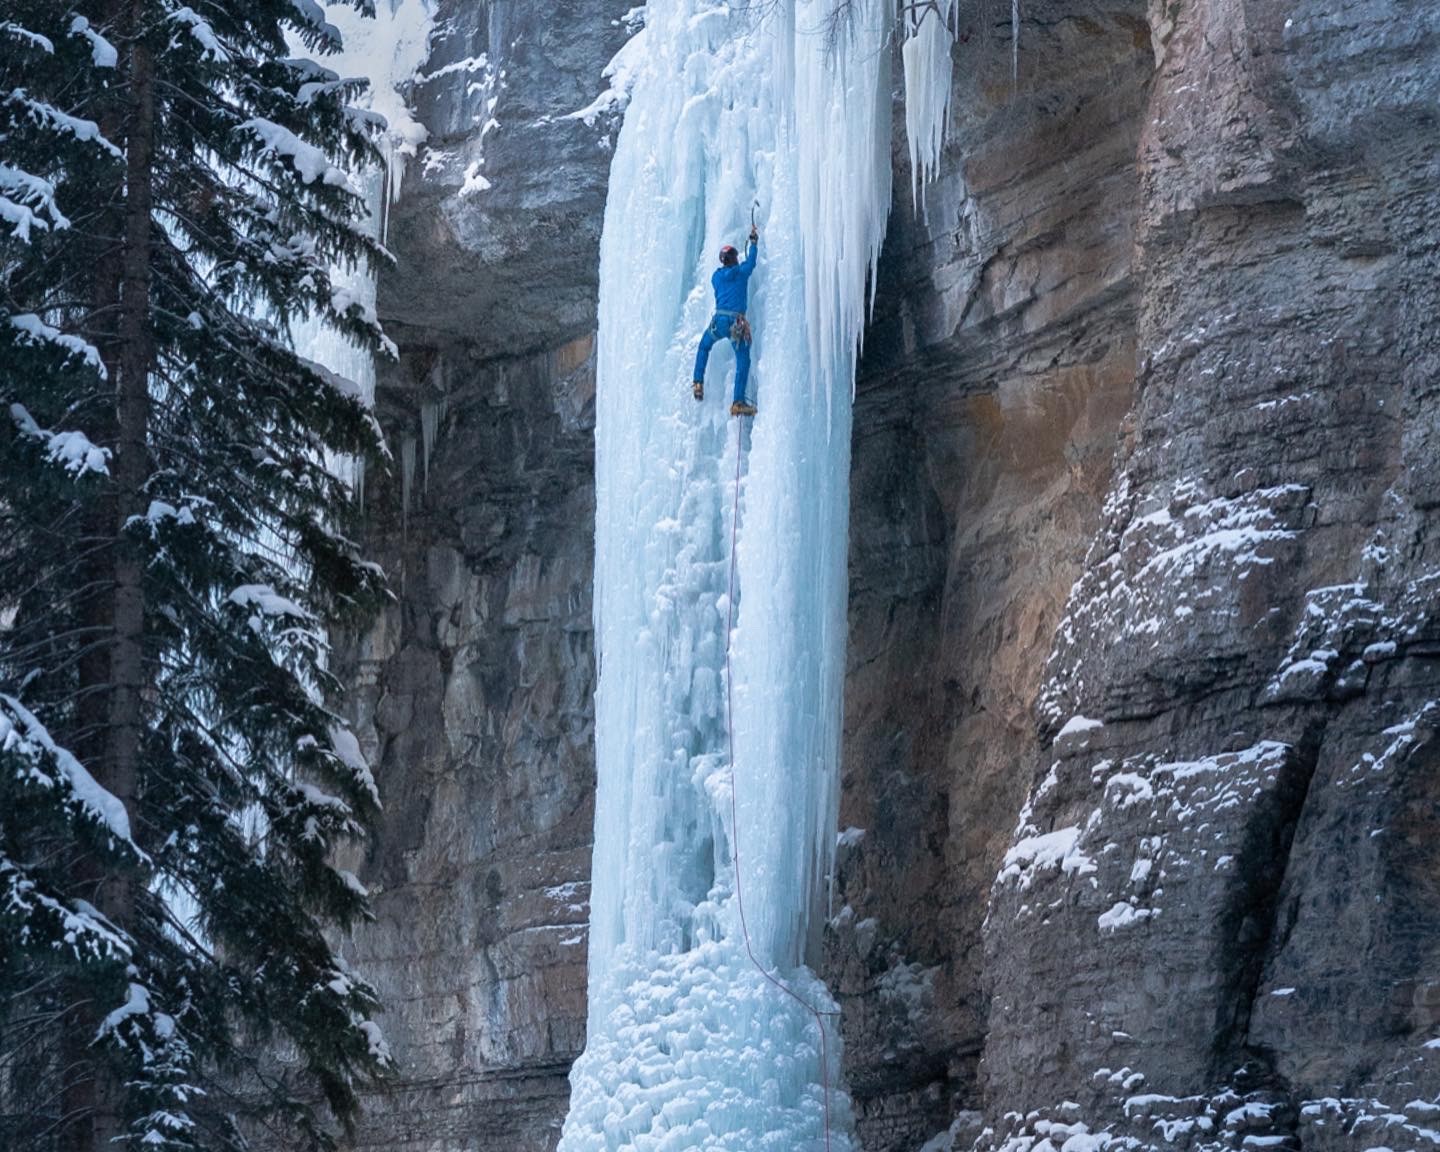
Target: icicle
{"points": [[383, 211], [407, 480], [432, 416], [843, 93], [929, 35], [433, 408], [387, 49]]}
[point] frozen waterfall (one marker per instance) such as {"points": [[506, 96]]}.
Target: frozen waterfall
{"points": [[386, 48], [784, 106]]}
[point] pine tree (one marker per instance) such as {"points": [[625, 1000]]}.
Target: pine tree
{"points": [[175, 189]]}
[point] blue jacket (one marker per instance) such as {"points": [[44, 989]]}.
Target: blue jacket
{"points": [[731, 283]]}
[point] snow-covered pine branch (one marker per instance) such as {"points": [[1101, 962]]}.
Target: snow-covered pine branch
{"points": [[170, 720]]}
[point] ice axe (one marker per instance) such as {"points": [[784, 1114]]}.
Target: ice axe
{"points": [[753, 206]]}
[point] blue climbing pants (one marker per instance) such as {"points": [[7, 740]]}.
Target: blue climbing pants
{"points": [[720, 330]]}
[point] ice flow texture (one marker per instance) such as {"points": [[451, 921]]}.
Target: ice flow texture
{"points": [[689, 1046]]}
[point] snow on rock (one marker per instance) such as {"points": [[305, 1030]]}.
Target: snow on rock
{"points": [[1374, 1125], [1160, 1122], [1052, 851], [621, 72], [1336, 619], [1402, 738], [1166, 809], [1161, 582], [1123, 914], [1077, 724], [474, 181]]}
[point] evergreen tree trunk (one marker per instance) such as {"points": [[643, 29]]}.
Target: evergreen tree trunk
{"points": [[113, 677], [132, 464], [125, 730]]}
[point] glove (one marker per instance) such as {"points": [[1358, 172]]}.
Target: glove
{"points": [[754, 236]]}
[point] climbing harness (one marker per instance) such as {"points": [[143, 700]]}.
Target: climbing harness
{"points": [[739, 326], [735, 812]]}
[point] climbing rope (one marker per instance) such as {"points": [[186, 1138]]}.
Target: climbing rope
{"points": [[735, 813]]}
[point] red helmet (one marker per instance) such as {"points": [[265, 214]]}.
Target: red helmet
{"points": [[728, 254]]}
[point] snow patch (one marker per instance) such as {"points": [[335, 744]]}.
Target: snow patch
{"points": [[211, 48], [72, 450], [622, 72], [1123, 914], [23, 734], [1035, 855], [309, 161], [35, 331], [102, 52], [264, 598]]}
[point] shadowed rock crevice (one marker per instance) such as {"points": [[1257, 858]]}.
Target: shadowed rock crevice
{"points": [[1253, 919]]}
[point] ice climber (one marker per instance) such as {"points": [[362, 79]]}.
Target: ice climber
{"points": [[730, 280]]}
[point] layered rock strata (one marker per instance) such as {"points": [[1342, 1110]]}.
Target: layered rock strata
{"points": [[998, 370], [1212, 924], [1254, 959]]}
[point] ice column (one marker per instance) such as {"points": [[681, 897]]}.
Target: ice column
{"points": [[782, 107], [385, 49]]}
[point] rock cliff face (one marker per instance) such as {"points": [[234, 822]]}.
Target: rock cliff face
{"points": [[1199, 238], [1140, 766], [476, 686], [1256, 944]]}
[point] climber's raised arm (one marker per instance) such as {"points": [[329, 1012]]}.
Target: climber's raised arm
{"points": [[749, 264]]}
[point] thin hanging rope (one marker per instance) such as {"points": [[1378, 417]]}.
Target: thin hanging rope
{"points": [[735, 812]]}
